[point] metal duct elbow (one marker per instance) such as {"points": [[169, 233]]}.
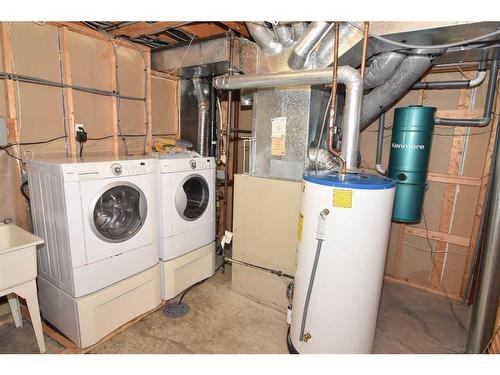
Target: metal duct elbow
{"points": [[314, 33], [299, 28], [284, 34], [382, 97], [351, 78], [264, 37], [320, 159], [382, 68], [346, 75], [203, 118]]}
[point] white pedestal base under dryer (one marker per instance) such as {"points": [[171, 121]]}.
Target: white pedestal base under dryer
{"points": [[182, 272], [86, 320]]}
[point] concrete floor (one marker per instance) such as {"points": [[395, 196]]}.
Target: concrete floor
{"points": [[220, 321]]}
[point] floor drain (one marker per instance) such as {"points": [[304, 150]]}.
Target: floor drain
{"points": [[175, 310]]}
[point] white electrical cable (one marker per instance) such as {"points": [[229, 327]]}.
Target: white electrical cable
{"points": [[435, 46]]}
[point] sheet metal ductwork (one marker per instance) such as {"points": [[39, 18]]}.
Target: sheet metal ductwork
{"points": [[346, 75], [381, 98], [314, 33], [264, 37], [284, 34]]}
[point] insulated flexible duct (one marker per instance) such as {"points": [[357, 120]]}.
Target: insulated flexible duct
{"points": [[382, 68], [382, 97]]}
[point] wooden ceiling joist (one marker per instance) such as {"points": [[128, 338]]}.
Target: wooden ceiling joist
{"points": [[239, 27], [144, 28], [203, 29]]}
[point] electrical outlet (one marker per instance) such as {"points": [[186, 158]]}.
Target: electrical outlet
{"points": [[79, 126]]}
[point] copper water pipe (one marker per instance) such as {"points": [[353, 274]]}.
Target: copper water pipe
{"points": [[365, 45], [333, 105]]}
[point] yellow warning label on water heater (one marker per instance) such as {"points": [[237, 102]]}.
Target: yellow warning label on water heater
{"points": [[342, 198], [301, 225]]}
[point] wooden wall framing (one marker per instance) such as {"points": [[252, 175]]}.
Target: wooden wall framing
{"points": [[443, 236], [64, 30]]}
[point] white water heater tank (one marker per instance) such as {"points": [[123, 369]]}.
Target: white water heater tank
{"points": [[343, 234]]}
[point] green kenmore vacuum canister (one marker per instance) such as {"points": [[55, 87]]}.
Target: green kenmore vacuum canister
{"points": [[409, 160]]}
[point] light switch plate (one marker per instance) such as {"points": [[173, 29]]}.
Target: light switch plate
{"points": [[4, 132]]}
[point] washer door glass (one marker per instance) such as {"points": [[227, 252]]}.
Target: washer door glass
{"points": [[191, 198], [119, 213]]}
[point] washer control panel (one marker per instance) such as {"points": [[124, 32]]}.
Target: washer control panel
{"points": [[119, 168]]}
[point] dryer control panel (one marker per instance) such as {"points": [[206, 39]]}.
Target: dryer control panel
{"points": [[186, 165]]}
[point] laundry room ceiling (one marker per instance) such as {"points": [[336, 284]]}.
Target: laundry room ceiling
{"points": [[156, 34]]}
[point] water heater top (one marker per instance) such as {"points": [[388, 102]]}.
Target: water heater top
{"points": [[350, 180]]}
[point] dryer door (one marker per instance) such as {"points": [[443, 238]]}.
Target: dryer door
{"points": [[192, 197], [119, 213]]}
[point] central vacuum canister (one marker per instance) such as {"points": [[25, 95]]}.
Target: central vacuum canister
{"points": [[343, 233], [411, 142]]}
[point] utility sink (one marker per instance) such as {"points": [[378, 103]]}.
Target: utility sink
{"points": [[17, 256]]}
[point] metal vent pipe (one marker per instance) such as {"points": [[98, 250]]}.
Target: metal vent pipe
{"points": [[264, 37], [346, 75], [203, 118], [314, 33]]}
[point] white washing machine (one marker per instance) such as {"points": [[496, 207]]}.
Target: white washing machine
{"points": [[99, 222], [187, 192]]}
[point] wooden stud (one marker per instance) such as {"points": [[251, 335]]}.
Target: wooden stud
{"points": [[68, 92], [454, 179], [114, 99], [481, 201], [163, 75], [437, 272], [460, 113], [439, 236], [10, 96], [149, 118]]}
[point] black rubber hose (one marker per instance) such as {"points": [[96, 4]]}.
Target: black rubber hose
{"points": [[23, 192]]}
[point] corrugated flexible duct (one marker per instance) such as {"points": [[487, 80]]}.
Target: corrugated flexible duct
{"points": [[203, 108]]}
